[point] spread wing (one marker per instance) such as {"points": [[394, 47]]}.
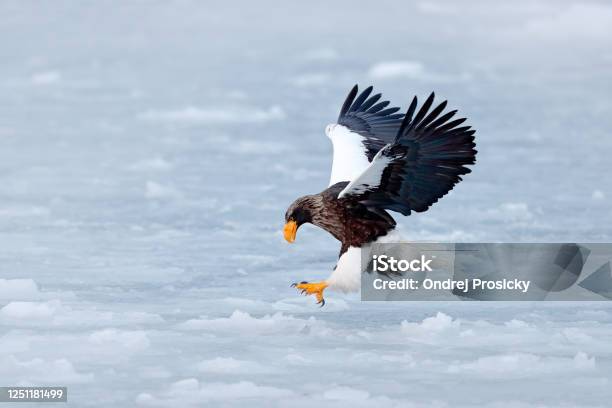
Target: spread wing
{"points": [[423, 163], [365, 125]]}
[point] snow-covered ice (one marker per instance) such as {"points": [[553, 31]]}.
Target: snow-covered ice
{"points": [[149, 151]]}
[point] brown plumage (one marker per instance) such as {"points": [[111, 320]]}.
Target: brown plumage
{"points": [[346, 219]]}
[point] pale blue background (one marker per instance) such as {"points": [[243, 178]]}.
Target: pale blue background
{"points": [[149, 151]]}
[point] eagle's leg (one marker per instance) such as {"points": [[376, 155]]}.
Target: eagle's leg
{"points": [[315, 288]]}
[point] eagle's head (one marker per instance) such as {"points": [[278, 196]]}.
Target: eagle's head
{"points": [[298, 213]]}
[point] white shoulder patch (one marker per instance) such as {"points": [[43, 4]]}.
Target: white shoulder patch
{"points": [[350, 158], [371, 176]]}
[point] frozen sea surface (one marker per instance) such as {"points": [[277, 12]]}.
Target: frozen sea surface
{"points": [[149, 151]]}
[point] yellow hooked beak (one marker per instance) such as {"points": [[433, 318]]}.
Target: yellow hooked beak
{"points": [[290, 230]]}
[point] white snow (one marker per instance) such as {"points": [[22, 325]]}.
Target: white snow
{"points": [[439, 323], [216, 115], [38, 371], [229, 365], [25, 311], [311, 79], [190, 392], [19, 289], [243, 323], [518, 365], [23, 211], [152, 164], [156, 190], [125, 339], [571, 22], [346, 394], [320, 54], [511, 212], [394, 69], [55, 313], [46, 78]]}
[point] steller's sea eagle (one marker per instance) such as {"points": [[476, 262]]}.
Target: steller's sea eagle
{"points": [[383, 160]]}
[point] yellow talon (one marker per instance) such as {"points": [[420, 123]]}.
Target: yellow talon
{"points": [[315, 288]]}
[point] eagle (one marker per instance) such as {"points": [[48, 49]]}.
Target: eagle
{"points": [[383, 160]]}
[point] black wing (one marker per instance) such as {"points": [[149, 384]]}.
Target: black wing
{"points": [[371, 118], [423, 163]]}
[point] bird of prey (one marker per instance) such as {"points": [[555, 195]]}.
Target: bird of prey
{"points": [[382, 161]]}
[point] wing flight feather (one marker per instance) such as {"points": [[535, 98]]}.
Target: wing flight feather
{"points": [[425, 161], [365, 125]]}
